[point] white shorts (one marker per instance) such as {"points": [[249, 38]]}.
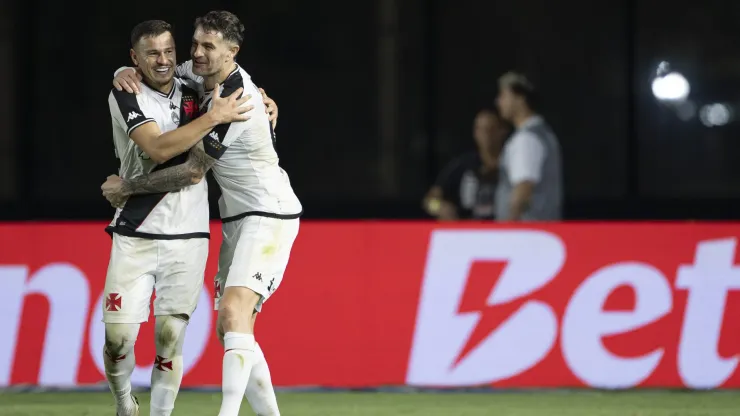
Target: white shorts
{"points": [[254, 254], [174, 268]]}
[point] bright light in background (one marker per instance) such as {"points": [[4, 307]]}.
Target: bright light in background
{"points": [[712, 115], [671, 87]]}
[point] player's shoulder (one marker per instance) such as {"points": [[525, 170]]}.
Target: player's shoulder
{"points": [[123, 99], [121, 95], [239, 78]]}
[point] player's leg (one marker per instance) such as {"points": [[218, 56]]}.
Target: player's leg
{"points": [[178, 286], [119, 362], [128, 289], [243, 247], [239, 345], [260, 392], [168, 364]]}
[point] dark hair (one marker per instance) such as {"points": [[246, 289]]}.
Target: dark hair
{"points": [[147, 29], [520, 85], [225, 22]]}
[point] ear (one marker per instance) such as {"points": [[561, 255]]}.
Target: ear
{"points": [[234, 50], [132, 52]]}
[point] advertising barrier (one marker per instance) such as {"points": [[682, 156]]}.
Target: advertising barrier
{"points": [[608, 305]]}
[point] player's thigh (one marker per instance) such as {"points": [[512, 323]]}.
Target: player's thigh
{"points": [[130, 280], [262, 255], [278, 263], [256, 246], [180, 275]]}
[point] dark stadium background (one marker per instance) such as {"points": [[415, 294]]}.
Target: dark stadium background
{"points": [[374, 100]]}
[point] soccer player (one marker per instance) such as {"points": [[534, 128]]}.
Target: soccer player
{"points": [[160, 240], [259, 210]]}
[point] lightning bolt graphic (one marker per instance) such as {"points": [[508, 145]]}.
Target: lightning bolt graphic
{"points": [[482, 278]]}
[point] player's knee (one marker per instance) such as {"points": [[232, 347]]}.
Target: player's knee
{"points": [[170, 331], [120, 339], [230, 317], [236, 307]]}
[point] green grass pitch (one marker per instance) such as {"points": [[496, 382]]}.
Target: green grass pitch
{"points": [[585, 403]]}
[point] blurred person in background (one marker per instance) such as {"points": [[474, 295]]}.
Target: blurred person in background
{"points": [[530, 185], [465, 189]]}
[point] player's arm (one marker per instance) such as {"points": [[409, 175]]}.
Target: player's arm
{"points": [[164, 146], [200, 159], [526, 156], [171, 179], [128, 79]]}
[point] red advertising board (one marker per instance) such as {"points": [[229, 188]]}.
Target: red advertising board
{"points": [[611, 305]]}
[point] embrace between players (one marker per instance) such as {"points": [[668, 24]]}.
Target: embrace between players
{"points": [[171, 124]]}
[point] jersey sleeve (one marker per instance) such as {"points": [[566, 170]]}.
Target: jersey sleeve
{"points": [[222, 136], [526, 155], [185, 70], [126, 110]]}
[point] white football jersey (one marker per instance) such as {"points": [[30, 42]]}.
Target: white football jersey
{"points": [[181, 214], [247, 171]]}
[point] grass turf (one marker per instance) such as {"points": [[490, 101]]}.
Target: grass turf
{"points": [[585, 403]]}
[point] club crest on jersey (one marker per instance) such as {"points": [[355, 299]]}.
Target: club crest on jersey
{"points": [[175, 118], [189, 107]]}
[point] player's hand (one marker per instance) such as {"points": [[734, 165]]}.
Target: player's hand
{"points": [[270, 108], [128, 80], [229, 109], [113, 191]]}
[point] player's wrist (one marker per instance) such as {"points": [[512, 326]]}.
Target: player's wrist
{"points": [[126, 188], [213, 118]]}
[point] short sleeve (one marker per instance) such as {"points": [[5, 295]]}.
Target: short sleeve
{"points": [[525, 156], [126, 110]]}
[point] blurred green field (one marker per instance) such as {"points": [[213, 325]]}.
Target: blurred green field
{"points": [[408, 404]]}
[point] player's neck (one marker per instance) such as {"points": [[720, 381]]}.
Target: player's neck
{"points": [[163, 88], [220, 77]]}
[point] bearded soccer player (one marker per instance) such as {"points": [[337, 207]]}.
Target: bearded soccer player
{"points": [[160, 240], [259, 210]]}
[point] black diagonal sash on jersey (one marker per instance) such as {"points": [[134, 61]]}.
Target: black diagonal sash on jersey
{"points": [[213, 141], [138, 207]]}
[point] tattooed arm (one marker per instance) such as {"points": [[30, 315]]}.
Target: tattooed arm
{"points": [[117, 190]]}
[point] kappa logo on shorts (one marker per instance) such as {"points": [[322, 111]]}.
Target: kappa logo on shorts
{"points": [[257, 276], [113, 302], [217, 288]]}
